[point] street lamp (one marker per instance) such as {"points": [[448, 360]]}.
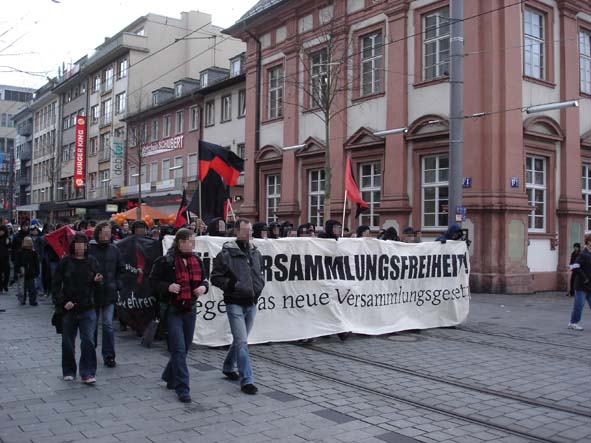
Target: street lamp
{"points": [[390, 132], [552, 106], [293, 148]]}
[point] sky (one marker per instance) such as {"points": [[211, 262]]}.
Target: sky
{"points": [[36, 36]]}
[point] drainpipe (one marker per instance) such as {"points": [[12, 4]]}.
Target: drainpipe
{"points": [[257, 135]]}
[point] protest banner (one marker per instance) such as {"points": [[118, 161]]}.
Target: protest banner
{"points": [[136, 304], [318, 287]]}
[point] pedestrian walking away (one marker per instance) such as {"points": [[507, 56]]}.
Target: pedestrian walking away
{"points": [[237, 270], [582, 270], [5, 246], [75, 283], [179, 280], [111, 267], [573, 260], [28, 260]]}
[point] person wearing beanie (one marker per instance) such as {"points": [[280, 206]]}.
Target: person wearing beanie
{"points": [[363, 231], [332, 229], [217, 227], [259, 230]]}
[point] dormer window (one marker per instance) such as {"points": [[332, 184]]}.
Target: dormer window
{"points": [[154, 99], [203, 79], [178, 90], [236, 67]]}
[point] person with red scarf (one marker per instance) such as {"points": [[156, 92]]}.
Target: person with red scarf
{"points": [[179, 279]]}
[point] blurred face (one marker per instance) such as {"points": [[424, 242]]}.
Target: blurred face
{"points": [[244, 232], [125, 226], [193, 227], [155, 234], [141, 231], [79, 248], [264, 234], [187, 246], [577, 249], [27, 244], [105, 235], [365, 233], [457, 236], [337, 230]]}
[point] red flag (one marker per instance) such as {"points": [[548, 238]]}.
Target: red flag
{"points": [[181, 216], [59, 240], [353, 193]]}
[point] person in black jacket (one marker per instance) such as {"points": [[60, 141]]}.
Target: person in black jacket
{"points": [[75, 282], [573, 260], [17, 244], [332, 229], [179, 279], [582, 270], [5, 245], [111, 267], [28, 259], [237, 270]]}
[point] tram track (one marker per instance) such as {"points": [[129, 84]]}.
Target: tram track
{"points": [[415, 403]]}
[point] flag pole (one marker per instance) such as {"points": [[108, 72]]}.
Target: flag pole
{"points": [[344, 209], [231, 209]]}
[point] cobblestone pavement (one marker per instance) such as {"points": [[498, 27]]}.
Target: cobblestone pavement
{"points": [[513, 373]]}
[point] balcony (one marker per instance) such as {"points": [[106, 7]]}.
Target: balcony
{"points": [[106, 120], [25, 130], [26, 153], [23, 180], [116, 48]]}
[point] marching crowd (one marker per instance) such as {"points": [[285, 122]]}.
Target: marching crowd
{"points": [[84, 285]]}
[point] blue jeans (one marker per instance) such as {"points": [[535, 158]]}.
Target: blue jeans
{"points": [[108, 342], [241, 319], [580, 297], [85, 322], [181, 328], [31, 291]]}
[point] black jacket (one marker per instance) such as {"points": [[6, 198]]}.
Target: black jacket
{"points": [[74, 281], [111, 266], [163, 274], [5, 244], [17, 242], [29, 260], [583, 273], [239, 274]]}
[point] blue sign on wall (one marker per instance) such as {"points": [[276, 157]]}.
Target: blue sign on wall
{"points": [[467, 182], [514, 182]]}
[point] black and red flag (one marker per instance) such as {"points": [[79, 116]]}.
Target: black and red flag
{"points": [[223, 161], [352, 191], [181, 216]]}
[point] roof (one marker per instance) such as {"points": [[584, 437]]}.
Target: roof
{"points": [[260, 7]]}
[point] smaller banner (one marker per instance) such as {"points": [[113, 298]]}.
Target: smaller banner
{"points": [[79, 155], [117, 162]]}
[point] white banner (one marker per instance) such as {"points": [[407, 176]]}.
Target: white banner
{"points": [[318, 287]]}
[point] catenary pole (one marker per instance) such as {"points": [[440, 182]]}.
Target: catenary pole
{"points": [[456, 126]]}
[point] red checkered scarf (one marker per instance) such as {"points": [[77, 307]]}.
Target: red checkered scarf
{"points": [[187, 276]]}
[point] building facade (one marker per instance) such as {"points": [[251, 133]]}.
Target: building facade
{"points": [[23, 121], [12, 100], [527, 177]]}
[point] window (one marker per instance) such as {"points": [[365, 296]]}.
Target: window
{"points": [[585, 61], [166, 169], [273, 187], [316, 182], [203, 80], [318, 75], [144, 133], [96, 83], [107, 112], [108, 79], [166, 128], [535, 186], [235, 68], [534, 47], [65, 153], [120, 103], [104, 182], [82, 90], [92, 178], [436, 44], [94, 115], [178, 90], [210, 113], [179, 122], [154, 131], [275, 92], [226, 108], [587, 194], [241, 103], [119, 132], [241, 150], [93, 146], [133, 176], [178, 171], [435, 191], [194, 118], [192, 167], [140, 31], [370, 175], [372, 63], [105, 147], [122, 68], [154, 171], [66, 123]]}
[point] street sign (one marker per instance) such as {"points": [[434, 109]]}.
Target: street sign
{"points": [[460, 214], [467, 182], [514, 182]]}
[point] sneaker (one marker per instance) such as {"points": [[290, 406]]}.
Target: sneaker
{"points": [[249, 389], [575, 327], [232, 375], [68, 378], [110, 362], [89, 380], [185, 398]]}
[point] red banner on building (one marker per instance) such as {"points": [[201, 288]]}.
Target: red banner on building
{"points": [[79, 152]]}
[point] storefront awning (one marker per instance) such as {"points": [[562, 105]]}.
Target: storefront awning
{"points": [[28, 208]]}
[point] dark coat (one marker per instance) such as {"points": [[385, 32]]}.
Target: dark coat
{"points": [[239, 274], [329, 230], [17, 242], [5, 243], [583, 272], [111, 266], [29, 260], [163, 274], [74, 281]]}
